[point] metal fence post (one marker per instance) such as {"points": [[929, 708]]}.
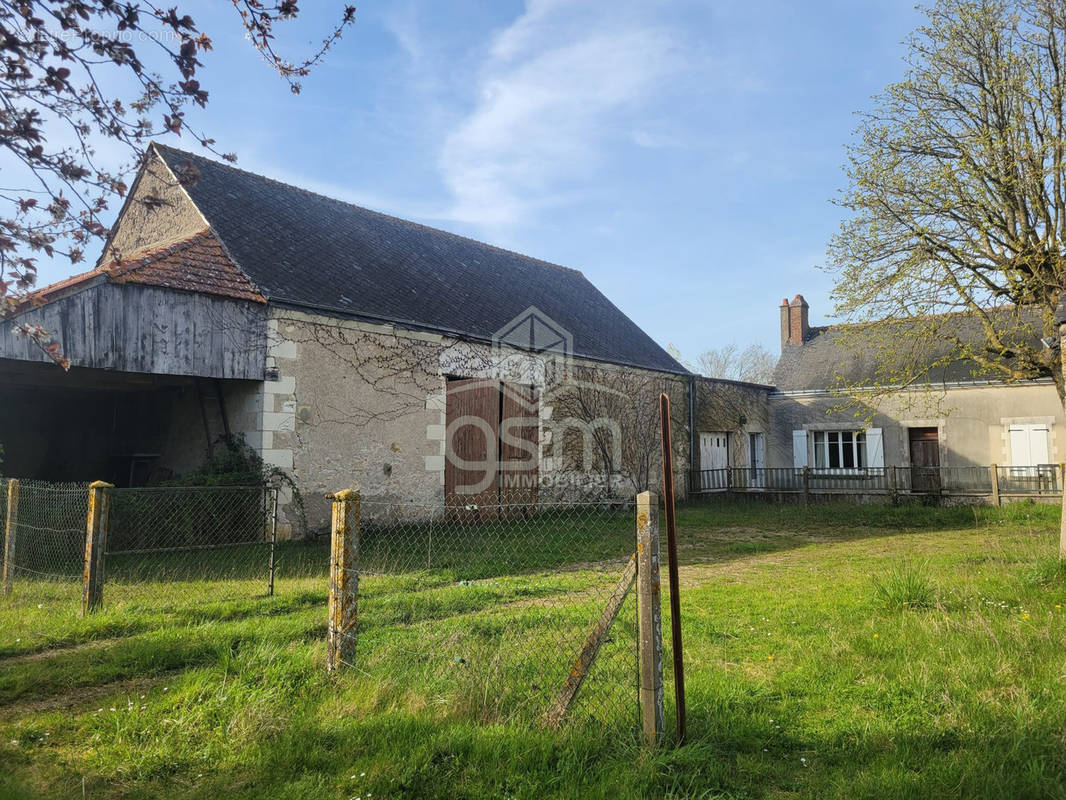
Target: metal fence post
{"points": [[95, 546], [9, 533], [343, 579], [994, 470], [650, 619], [273, 537]]}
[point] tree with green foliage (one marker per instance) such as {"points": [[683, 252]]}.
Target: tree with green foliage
{"points": [[957, 194], [958, 201]]}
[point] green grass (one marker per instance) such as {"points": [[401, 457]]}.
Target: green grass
{"points": [[833, 651]]}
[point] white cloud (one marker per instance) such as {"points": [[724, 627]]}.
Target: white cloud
{"points": [[558, 86]]}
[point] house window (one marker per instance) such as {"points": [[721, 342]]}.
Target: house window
{"points": [[1028, 445], [839, 450]]}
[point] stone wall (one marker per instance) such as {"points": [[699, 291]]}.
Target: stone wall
{"points": [[736, 408], [972, 421], [364, 406], [157, 212]]}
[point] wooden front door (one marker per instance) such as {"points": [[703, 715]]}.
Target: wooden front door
{"points": [[925, 459]]}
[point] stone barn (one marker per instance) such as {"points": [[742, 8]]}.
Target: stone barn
{"points": [[346, 347]]}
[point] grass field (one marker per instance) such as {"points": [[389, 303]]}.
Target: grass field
{"points": [[835, 651]]}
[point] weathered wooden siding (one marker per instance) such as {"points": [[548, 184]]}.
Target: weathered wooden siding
{"points": [[150, 330]]}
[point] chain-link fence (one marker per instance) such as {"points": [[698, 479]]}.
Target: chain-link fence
{"points": [[163, 547], [523, 613], [498, 614], [44, 547], [189, 544]]}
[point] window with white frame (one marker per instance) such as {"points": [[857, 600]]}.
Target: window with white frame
{"points": [[839, 449]]}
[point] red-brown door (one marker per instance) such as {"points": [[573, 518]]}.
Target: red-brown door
{"points": [[519, 452], [471, 462], [925, 459]]}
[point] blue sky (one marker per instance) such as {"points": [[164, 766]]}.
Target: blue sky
{"points": [[682, 154]]}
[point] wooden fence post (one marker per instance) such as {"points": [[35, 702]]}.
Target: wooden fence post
{"points": [[994, 470], [806, 486], [10, 524], [893, 491], [650, 617], [95, 546], [343, 580]]}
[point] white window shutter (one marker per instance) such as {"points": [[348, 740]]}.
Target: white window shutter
{"points": [[875, 448], [799, 449], [1019, 446], [1038, 449]]}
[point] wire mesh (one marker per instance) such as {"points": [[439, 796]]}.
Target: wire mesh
{"points": [[483, 612], [184, 545], [48, 525], [44, 561]]}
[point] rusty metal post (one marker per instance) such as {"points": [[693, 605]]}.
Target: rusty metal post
{"points": [[95, 546], [273, 537], [343, 579], [994, 472], [10, 523], [671, 550], [650, 617]]}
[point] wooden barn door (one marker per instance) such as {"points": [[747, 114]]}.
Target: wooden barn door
{"points": [[519, 448], [492, 454], [471, 464]]}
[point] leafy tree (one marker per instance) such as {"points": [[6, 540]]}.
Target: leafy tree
{"points": [[957, 194], [75, 74], [754, 363]]}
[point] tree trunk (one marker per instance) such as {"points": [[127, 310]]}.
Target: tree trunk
{"points": [[1062, 522]]}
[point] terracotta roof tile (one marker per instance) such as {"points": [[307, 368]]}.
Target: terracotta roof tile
{"points": [[198, 263]]}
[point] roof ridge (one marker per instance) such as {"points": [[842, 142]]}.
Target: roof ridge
{"points": [[370, 210], [968, 312]]}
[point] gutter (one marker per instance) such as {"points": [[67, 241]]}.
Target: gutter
{"points": [[926, 388]]}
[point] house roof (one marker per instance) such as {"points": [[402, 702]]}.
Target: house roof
{"points": [[198, 263], [313, 252], [840, 356]]}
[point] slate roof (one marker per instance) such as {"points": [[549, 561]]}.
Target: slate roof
{"points": [[198, 263], [309, 251], [849, 355]]}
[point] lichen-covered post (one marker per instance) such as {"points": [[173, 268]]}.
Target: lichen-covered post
{"points": [[993, 472], [343, 579], [95, 546], [10, 524], [649, 617]]}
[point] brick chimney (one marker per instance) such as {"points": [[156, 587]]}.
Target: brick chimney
{"points": [[798, 326], [786, 322]]}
